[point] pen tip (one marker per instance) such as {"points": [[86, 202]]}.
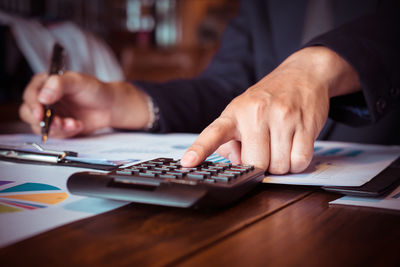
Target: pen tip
{"points": [[44, 138]]}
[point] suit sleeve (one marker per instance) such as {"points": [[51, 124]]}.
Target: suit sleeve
{"points": [[371, 45], [190, 105]]}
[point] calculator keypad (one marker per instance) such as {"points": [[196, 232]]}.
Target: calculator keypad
{"points": [[169, 169]]}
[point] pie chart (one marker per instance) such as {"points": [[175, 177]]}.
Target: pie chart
{"points": [[17, 197]]}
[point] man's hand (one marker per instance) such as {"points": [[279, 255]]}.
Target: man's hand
{"points": [[273, 124], [83, 104]]}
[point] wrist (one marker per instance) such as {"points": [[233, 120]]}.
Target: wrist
{"points": [[330, 69], [129, 108]]}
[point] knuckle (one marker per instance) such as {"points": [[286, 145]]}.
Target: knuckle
{"points": [[300, 162], [198, 148], [282, 110], [220, 125]]}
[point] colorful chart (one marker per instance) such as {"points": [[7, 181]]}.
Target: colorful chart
{"points": [[15, 197], [336, 151], [217, 158]]}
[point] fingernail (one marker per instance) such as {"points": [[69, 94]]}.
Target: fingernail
{"points": [[189, 157], [47, 95]]}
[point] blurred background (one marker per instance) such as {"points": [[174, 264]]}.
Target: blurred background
{"points": [[152, 40]]}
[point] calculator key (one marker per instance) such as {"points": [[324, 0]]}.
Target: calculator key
{"points": [[237, 173], [211, 171], [208, 180], [178, 174], [142, 167], [123, 172], [218, 168], [161, 169], [230, 175], [168, 176], [164, 159], [189, 169], [147, 174], [247, 167], [242, 170], [226, 165], [195, 175], [156, 172], [150, 165]]}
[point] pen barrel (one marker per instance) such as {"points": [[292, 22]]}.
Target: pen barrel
{"points": [[47, 119], [57, 60]]}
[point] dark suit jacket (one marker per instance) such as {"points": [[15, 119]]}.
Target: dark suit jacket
{"points": [[264, 33]]}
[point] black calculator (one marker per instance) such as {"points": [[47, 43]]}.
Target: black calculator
{"points": [[163, 181]]}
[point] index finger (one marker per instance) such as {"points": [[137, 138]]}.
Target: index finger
{"points": [[31, 92], [217, 133]]}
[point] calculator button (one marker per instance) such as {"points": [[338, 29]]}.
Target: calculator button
{"points": [[213, 171], [161, 169], [195, 175], [241, 170], [178, 174], [147, 174], [236, 173], [247, 167], [189, 169], [150, 166], [168, 176], [124, 172], [231, 175], [142, 168], [156, 172]]}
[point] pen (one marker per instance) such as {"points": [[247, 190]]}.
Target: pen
{"points": [[56, 67]]}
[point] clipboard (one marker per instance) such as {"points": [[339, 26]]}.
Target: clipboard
{"points": [[382, 183], [34, 154]]}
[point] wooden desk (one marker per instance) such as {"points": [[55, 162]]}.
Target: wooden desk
{"points": [[272, 226]]}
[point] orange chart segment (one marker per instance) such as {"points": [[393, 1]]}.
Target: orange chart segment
{"points": [[45, 198]]}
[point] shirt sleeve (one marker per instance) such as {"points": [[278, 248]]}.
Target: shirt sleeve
{"points": [[371, 45], [190, 105]]}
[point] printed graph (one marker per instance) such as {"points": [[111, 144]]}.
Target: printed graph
{"points": [[336, 151], [16, 197], [217, 158]]}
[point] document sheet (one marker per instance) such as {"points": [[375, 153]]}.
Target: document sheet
{"points": [[391, 201], [34, 198], [341, 164]]}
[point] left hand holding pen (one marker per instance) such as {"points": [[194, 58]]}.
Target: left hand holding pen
{"points": [[274, 123], [83, 104]]}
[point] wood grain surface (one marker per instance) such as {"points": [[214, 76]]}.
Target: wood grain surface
{"points": [[310, 233], [142, 235]]}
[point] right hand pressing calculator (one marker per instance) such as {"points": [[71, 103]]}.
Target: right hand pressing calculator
{"points": [[163, 181]]}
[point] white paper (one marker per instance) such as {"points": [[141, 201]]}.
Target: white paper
{"points": [[113, 146], [341, 164], [21, 218], [19, 222], [392, 201]]}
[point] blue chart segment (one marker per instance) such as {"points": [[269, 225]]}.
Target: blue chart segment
{"points": [[217, 158], [331, 152], [337, 152], [30, 187]]}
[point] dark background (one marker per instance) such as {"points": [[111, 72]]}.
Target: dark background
{"points": [[154, 40]]}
